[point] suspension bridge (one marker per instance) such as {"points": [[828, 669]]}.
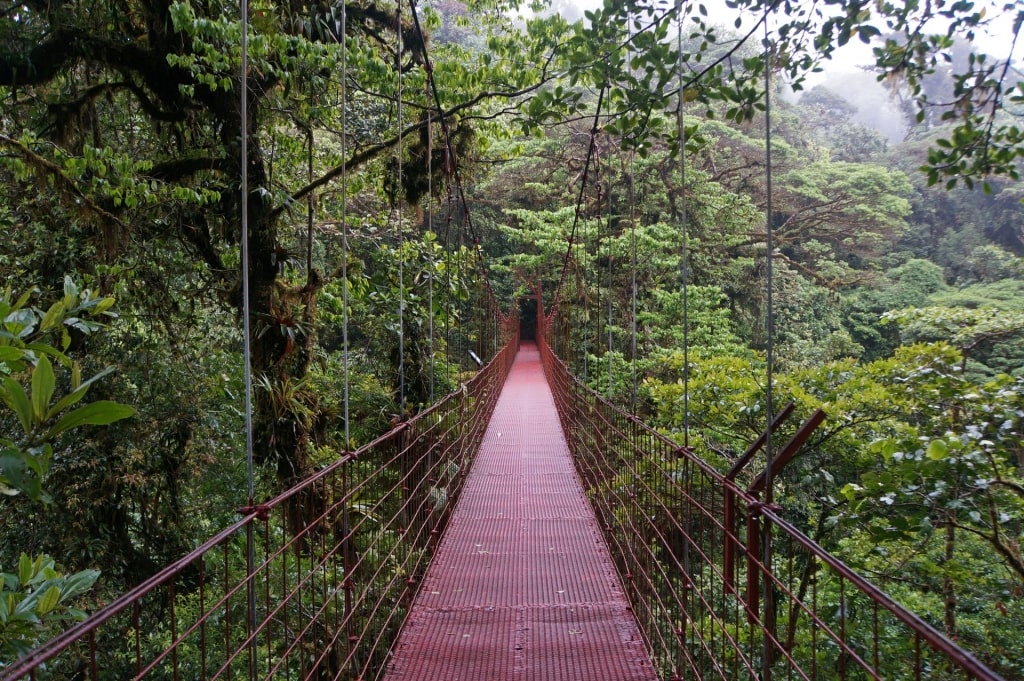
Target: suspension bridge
{"points": [[520, 528], [559, 538]]}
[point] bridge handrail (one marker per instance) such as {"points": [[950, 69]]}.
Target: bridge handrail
{"points": [[464, 412], [572, 394]]}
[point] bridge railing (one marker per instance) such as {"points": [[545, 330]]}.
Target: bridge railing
{"points": [[313, 584], [711, 602]]}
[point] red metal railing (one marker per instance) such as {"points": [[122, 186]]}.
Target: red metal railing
{"points": [[690, 548], [314, 584]]}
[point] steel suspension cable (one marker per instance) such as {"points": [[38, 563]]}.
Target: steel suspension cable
{"points": [[247, 329], [766, 540], [633, 265], [579, 199], [684, 264], [398, 212], [581, 283], [598, 302], [608, 208], [632, 243], [344, 232], [448, 269], [446, 130], [246, 323], [769, 267], [453, 171], [430, 259]]}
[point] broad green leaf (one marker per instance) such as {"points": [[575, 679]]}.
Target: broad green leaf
{"points": [[43, 383], [15, 397], [24, 569], [49, 600], [11, 354], [52, 316], [79, 583], [50, 351], [95, 414], [26, 609], [24, 299], [103, 305], [75, 396]]}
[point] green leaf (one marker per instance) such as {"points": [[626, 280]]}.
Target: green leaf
{"points": [[75, 396], [43, 383], [24, 569], [79, 583], [15, 397], [95, 414], [52, 316], [49, 600], [11, 354]]}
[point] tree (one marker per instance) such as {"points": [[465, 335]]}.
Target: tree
{"points": [[833, 119]]}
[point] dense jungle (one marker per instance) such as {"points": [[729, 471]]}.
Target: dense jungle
{"points": [[396, 165]]}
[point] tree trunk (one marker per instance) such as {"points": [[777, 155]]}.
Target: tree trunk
{"points": [[280, 436], [949, 599]]}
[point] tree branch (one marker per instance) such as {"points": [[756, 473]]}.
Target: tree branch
{"points": [[48, 168]]}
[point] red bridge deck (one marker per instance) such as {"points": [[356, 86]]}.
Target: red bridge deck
{"points": [[522, 586]]}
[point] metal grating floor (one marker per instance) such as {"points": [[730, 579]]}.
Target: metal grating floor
{"points": [[522, 586]]}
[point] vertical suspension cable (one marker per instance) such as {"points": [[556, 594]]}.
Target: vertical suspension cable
{"points": [[344, 233], [598, 303], [632, 246], [398, 222], [246, 324], [768, 617], [246, 330], [769, 269], [581, 283], [611, 368], [430, 230], [346, 414], [684, 264], [448, 271], [633, 265]]}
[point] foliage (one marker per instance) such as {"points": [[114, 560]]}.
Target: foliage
{"points": [[35, 601], [121, 132], [28, 339]]}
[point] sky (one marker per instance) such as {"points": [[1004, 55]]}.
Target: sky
{"points": [[996, 37], [848, 64]]}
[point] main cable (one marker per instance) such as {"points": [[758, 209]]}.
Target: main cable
{"points": [[454, 169], [579, 200]]}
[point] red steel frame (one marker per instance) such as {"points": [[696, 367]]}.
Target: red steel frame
{"points": [[337, 560], [688, 543]]}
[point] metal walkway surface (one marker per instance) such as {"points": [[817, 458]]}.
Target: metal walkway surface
{"points": [[522, 586]]}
